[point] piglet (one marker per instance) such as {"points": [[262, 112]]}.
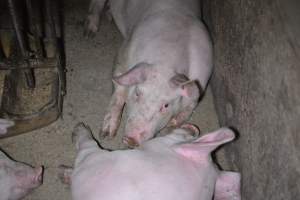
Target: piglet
{"points": [[174, 167]]}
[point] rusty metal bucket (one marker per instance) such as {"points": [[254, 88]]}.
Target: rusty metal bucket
{"points": [[31, 64]]}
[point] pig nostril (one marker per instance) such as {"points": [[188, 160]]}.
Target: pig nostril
{"points": [[130, 142]]}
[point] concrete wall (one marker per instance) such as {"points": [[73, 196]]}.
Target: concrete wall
{"points": [[256, 85]]}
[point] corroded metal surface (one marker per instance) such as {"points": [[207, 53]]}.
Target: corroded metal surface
{"points": [[31, 106]]}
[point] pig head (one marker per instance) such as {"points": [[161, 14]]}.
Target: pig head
{"points": [[17, 179], [154, 100]]}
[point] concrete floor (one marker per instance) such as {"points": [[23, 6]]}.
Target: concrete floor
{"points": [[89, 64]]}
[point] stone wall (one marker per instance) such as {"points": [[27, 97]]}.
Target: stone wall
{"points": [[256, 85]]}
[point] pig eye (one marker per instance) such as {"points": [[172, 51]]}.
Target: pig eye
{"points": [[164, 107]]}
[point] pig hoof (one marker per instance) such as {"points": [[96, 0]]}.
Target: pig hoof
{"points": [[193, 129], [65, 173], [130, 142], [39, 175], [109, 127]]}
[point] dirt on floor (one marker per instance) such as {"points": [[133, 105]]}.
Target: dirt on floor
{"points": [[89, 65]]}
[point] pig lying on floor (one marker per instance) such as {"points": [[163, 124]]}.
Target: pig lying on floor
{"points": [[173, 167], [162, 67], [16, 179]]}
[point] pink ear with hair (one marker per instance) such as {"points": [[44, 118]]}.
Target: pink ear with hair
{"points": [[203, 146], [137, 74], [190, 90], [187, 88]]}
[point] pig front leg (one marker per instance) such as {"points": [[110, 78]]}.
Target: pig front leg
{"points": [[112, 118], [92, 22]]}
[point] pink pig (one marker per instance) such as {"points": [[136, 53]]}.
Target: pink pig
{"points": [[173, 167], [162, 68]]}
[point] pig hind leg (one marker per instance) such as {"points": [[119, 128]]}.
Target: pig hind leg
{"points": [[93, 19], [112, 118]]}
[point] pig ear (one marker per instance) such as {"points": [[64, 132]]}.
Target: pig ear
{"points": [[204, 145], [228, 186], [137, 74], [4, 125], [186, 87], [178, 80], [216, 138], [191, 90]]}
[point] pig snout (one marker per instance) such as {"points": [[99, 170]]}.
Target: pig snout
{"points": [[130, 142], [135, 132], [134, 137]]}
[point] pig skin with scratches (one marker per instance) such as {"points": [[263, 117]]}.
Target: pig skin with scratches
{"points": [[162, 67], [174, 167]]}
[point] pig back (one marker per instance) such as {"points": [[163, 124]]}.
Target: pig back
{"points": [[144, 175]]}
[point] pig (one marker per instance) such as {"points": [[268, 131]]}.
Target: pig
{"points": [[17, 179], [162, 67], [173, 167], [4, 125]]}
